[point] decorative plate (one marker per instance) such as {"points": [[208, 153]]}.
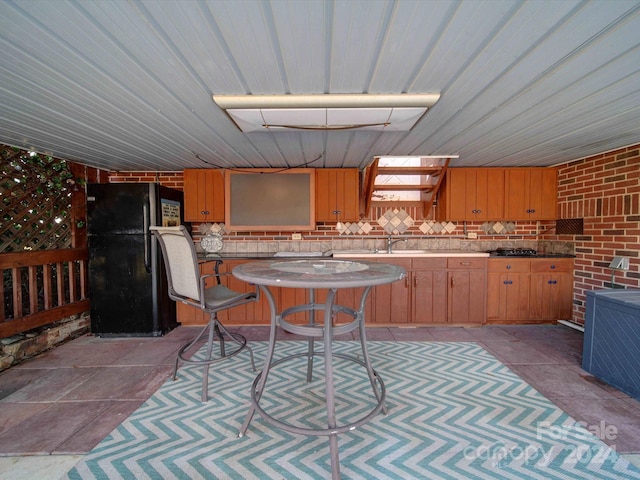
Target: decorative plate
{"points": [[211, 242]]}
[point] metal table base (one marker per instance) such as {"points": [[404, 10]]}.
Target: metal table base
{"points": [[327, 331]]}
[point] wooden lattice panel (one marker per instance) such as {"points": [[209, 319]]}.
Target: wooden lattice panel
{"points": [[35, 196]]}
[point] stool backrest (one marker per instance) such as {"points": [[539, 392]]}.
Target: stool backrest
{"points": [[181, 263]]}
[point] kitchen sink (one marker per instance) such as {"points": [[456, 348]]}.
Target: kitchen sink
{"points": [[381, 253], [406, 252]]}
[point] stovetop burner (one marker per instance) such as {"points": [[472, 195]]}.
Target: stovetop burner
{"points": [[516, 252]]}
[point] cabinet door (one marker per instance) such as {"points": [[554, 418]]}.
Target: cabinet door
{"points": [[391, 302], [551, 289], [508, 297], [337, 189], [531, 193], [564, 296], [516, 193], [489, 194], [429, 296], [543, 193], [466, 290], [253, 313], [203, 195], [551, 296], [475, 194], [508, 289], [460, 194]]}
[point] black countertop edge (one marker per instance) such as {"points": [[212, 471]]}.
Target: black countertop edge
{"points": [[539, 255]]}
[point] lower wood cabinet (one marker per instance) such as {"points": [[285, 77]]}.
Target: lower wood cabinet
{"points": [[254, 313], [437, 290], [551, 289], [391, 303], [508, 285], [466, 294], [523, 290], [429, 295]]}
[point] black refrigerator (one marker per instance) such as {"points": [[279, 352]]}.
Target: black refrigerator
{"points": [[127, 276]]}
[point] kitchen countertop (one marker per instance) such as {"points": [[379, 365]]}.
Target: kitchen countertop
{"points": [[407, 254], [202, 257]]}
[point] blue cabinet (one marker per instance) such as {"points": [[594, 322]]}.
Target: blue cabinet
{"points": [[611, 349]]}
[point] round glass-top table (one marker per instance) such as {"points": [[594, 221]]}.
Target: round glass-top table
{"points": [[312, 275]]}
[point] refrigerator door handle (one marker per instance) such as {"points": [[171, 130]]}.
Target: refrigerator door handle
{"points": [[146, 211]]}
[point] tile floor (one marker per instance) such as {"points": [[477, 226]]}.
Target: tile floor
{"points": [[58, 406]]}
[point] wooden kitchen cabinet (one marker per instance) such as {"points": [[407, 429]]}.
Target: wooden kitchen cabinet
{"points": [[531, 193], [429, 290], [203, 195], [435, 291], [529, 290], [466, 294], [474, 194], [254, 313], [391, 303], [337, 190], [551, 289], [508, 286]]}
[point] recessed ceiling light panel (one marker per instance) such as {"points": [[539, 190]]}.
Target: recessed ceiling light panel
{"points": [[255, 113]]}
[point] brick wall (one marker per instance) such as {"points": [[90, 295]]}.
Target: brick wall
{"points": [[168, 179], [604, 190]]}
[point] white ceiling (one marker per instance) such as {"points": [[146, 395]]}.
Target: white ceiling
{"points": [[128, 85]]}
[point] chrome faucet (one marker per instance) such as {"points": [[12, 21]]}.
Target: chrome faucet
{"points": [[391, 242]]}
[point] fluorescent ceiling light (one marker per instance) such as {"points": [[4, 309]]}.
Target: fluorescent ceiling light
{"points": [[254, 113]]}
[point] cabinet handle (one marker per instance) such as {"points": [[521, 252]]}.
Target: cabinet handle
{"points": [[552, 282], [204, 212], [552, 267], [406, 281], [508, 267], [507, 282], [453, 282], [415, 281]]}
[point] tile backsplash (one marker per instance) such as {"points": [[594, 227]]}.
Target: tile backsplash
{"points": [[369, 235]]}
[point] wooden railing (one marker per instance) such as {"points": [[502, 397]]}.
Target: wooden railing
{"points": [[41, 287]]}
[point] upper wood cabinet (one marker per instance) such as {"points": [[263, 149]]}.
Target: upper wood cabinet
{"points": [[531, 193], [474, 194], [203, 195], [521, 193], [337, 190]]}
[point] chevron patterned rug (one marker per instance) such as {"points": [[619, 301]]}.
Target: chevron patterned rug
{"points": [[454, 412]]}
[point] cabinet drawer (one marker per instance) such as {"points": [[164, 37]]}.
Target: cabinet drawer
{"points": [[466, 263], [429, 263], [508, 265], [400, 262], [552, 265]]}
